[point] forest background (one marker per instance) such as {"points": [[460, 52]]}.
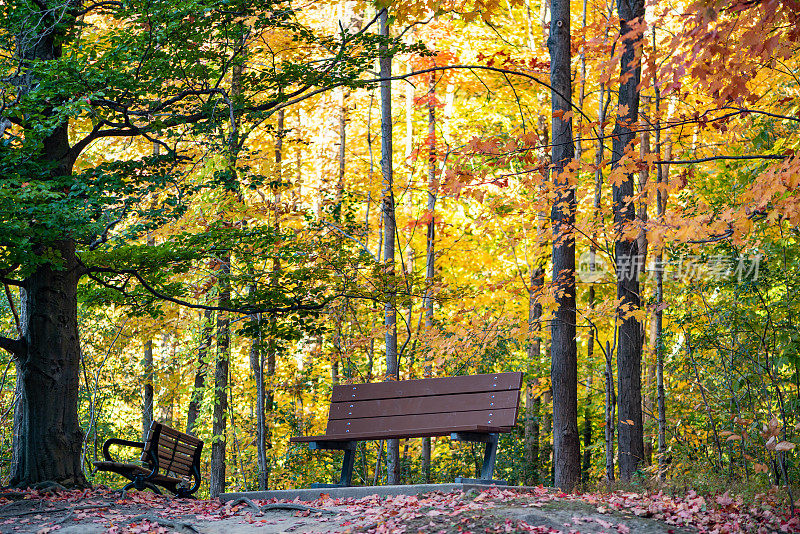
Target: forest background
{"points": [[244, 214]]}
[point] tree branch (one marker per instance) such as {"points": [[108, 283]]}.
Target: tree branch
{"points": [[13, 309], [715, 158], [249, 310], [16, 347]]}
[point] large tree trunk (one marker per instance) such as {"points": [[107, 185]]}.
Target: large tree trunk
{"points": [[564, 368], [390, 315], [47, 435], [629, 350], [48, 440]]}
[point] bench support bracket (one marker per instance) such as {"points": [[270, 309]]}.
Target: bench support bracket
{"points": [[349, 460], [489, 456]]}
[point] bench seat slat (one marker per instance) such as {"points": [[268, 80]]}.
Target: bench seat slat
{"points": [[427, 386], [410, 433], [502, 418], [489, 400]]}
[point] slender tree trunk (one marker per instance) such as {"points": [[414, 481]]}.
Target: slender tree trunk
{"points": [[626, 251], [564, 369], [430, 249], [610, 404], [390, 313], [662, 175], [218, 446], [533, 403], [217, 480], [206, 330], [647, 350], [587, 409], [546, 438], [147, 388]]}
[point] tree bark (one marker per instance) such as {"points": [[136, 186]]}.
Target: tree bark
{"points": [[533, 403], [390, 311], [206, 330], [610, 404], [626, 251], [662, 176], [430, 250], [48, 440], [564, 368], [147, 388], [47, 434], [220, 421]]}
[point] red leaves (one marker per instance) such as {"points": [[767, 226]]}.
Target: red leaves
{"points": [[484, 511]]}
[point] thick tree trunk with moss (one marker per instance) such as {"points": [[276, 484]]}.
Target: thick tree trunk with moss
{"points": [[48, 440], [47, 435]]}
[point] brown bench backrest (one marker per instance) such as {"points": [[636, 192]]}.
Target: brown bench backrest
{"points": [[177, 452], [433, 406]]}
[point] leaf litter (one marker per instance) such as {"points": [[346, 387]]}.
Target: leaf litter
{"points": [[494, 510]]}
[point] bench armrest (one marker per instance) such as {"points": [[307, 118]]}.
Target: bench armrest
{"points": [[116, 441]]}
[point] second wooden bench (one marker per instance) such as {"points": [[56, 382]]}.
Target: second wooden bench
{"points": [[468, 408]]}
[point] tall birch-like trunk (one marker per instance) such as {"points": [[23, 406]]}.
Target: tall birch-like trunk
{"points": [[147, 388], [389, 228], [430, 250], [662, 176], [564, 368], [220, 412], [537, 421], [587, 409], [610, 406], [217, 481], [626, 252], [641, 241], [206, 330]]}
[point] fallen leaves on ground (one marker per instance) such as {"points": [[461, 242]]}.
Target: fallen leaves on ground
{"points": [[432, 512]]}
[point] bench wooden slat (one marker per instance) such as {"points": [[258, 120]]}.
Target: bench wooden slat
{"points": [[427, 386], [488, 400], [190, 440], [177, 454], [502, 418], [178, 447], [410, 433]]}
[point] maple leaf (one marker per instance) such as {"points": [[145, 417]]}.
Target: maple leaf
{"points": [[724, 499]]}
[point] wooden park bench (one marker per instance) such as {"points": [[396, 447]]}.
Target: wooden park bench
{"points": [[170, 459], [469, 408]]}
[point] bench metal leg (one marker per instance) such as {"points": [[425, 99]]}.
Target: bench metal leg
{"points": [[489, 457], [348, 462]]}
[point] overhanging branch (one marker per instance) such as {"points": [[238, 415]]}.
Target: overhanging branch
{"points": [[247, 310], [16, 347]]}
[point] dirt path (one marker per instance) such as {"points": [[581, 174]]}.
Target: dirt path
{"points": [[104, 512]]}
